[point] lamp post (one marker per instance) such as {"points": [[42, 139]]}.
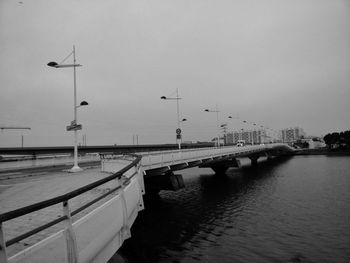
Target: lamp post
{"points": [[217, 123], [74, 125], [178, 130], [233, 129], [224, 130]]}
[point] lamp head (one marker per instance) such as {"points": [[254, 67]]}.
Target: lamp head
{"points": [[52, 64], [206, 110], [184, 119], [163, 98], [84, 103]]}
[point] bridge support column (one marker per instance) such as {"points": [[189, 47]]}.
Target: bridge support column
{"points": [[269, 156], [222, 167], [254, 160], [219, 168], [165, 181], [235, 163]]}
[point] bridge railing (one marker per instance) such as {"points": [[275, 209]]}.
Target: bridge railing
{"points": [[159, 159], [77, 236]]}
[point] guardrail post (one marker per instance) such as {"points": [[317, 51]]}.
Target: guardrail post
{"points": [[3, 255], [71, 241], [139, 175], [125, 231]]}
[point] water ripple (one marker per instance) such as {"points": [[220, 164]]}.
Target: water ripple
{"points": [[296, 210]]}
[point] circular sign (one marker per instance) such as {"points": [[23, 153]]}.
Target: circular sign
{"points": [[178, 131]]}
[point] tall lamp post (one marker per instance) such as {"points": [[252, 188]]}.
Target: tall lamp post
{"points": [[217, 123], [233, 132], [224, 130], [74, 126], [178, 130]]}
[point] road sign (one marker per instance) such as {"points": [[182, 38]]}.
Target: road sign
{"points": [[178, 131], [178, 136], [75, 127]]}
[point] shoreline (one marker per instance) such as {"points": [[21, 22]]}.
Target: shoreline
{"points": [[323, 152]]}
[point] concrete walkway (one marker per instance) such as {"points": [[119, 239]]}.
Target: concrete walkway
{"points": [[39, 186]]}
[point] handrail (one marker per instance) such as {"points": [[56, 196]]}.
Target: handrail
{"points": [[59, 199], [58, 220], [164, 158], [71, 242]]}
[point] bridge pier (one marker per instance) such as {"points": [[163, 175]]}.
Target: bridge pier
{"points": [[221, 167], [254, 160], [164, 181], [269, 156]]}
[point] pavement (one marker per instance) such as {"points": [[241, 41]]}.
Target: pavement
{"points": [[21, 188]]}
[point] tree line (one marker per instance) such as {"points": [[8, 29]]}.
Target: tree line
{"points": [[339, 140]]}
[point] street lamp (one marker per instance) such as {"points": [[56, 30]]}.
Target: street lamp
{"points": [[224, 130], [83, 103], [73, 126], [178, 130], [217, 123], [233, 128]]}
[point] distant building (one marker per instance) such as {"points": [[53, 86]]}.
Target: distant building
{"points": [[292, 134], [314, 143], [249, 136]]}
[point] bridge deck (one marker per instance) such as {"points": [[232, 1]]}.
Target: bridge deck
{"points": [[154, 160], [124, 206]]}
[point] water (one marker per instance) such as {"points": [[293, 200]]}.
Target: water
{"points": [[293, 210]]}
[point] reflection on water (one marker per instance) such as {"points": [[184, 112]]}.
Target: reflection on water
{"points": [[295, 210]]}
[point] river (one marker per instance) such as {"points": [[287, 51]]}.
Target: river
{"points": [[291, 210]]}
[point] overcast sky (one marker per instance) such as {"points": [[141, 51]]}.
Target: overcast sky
{"points": [[277, 63]]}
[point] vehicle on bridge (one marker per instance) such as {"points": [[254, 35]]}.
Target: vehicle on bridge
{"points": [[240, 143]]}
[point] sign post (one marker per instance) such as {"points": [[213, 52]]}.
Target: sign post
{"points": [[178, 134]]}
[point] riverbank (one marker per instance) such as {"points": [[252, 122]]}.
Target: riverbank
{"points": [[323, 151]]}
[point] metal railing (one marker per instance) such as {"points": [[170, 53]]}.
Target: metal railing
{"points": [[72, 253], [153, 160]]}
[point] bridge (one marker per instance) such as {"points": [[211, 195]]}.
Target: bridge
{"points": [[97, 235], [122, 149], [159, 167]]}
